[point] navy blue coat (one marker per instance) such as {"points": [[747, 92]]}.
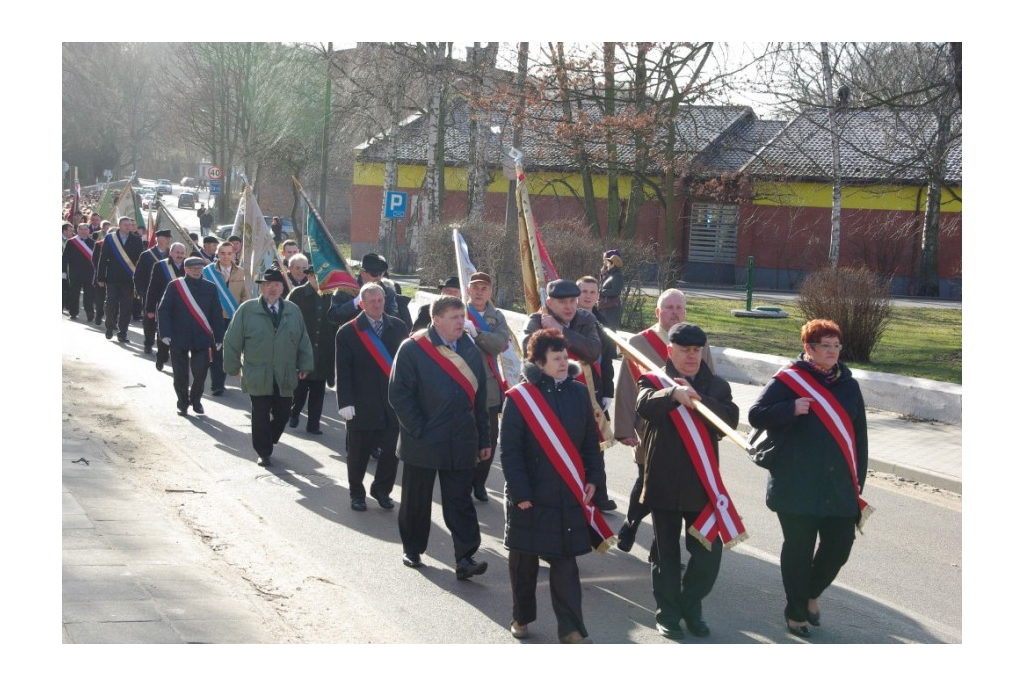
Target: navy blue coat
{"points": [[176, 321]]}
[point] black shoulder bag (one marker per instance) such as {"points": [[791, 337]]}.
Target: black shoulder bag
{"points": [[766, 450]]}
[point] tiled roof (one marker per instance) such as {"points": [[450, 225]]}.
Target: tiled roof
{"points": [[733, 150], [697, 128], [876, 145]]}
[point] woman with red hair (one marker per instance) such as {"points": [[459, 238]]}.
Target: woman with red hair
{"points": [[814, 411]]}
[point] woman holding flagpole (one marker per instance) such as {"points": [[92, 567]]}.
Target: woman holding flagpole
{"points": [[549, 453], [814, 413]]}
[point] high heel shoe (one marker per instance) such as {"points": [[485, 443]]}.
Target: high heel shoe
{"points": [[814, 619]]}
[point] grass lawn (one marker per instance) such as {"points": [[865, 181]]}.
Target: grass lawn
{"points": [[920, 341]]}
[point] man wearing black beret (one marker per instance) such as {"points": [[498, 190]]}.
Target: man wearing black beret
{"points": [[682, 482]]}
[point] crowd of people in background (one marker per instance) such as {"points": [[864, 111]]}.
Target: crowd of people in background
{"points": [[429, 394]]}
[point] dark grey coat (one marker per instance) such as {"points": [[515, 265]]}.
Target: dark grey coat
{"points": [[555, 525]]}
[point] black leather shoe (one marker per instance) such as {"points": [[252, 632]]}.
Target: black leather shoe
{"points": [[468, 567], [159, 366], [197, 407], [384, 501], [293, 422], [359, 505], [73, 317], [697, 626], [109, 334], [627, 536], [814, 619], [148, 350], [671, 632], [607, 505], [314, 431], [263, 461], [412, 560], [799, 631], [480, 492], [122, 338], [182, 409], [217, 392]]}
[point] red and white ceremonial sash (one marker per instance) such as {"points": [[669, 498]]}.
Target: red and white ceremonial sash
{"points": [[836, 420], [492, 360], [193, 306], [562, 454], [452, 364], [375, 346], [660, 348], [82, 247], [719, 517]]}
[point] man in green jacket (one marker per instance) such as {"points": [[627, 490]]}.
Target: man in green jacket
{"points": [[267, 343]]}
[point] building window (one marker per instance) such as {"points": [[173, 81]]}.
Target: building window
{"points": [[713, 233]]}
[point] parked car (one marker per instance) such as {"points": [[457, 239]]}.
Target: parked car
{"points": [[189, 182], [163, 186], [287, 228], [150, 201], [187, 201]]}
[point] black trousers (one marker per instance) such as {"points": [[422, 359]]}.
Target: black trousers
{"points": [[148, 331], [217, 375], [566, 593], [360, 445], [269, 417], [484, 467], [315, 391], [184, 361], [101, 300], [674, 603], [88, 295], [806, 572], [456, 507], [118, 307], [637, 510]]}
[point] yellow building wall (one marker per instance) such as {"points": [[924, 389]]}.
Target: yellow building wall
{"points": [[902, 198], [455, 178]]}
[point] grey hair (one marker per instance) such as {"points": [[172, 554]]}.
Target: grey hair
{"points": [[370, 287], [671, 291], [174, 245], [298, 257]]}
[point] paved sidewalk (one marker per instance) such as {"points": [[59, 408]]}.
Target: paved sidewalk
{"points": [[922, 451], [131, 574]]}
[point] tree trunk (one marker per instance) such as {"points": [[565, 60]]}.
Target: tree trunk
{"points": [[582, 158], [929, 283], [610, 148], [511, 212], [325, 142], [390, 175], [837, 169]]}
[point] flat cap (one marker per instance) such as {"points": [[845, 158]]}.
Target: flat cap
{"points": [[562, 288], [452, 282], [687, 335], [195, 261]]}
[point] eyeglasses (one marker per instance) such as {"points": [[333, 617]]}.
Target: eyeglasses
{"points": [[828, 347]]}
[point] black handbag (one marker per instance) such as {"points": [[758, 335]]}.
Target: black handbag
{"points": [[766, 450]]}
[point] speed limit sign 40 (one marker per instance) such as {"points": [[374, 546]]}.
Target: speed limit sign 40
{"points": [[214, 173]]}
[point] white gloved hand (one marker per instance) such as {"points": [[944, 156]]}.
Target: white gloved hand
{"points": [[471, 328], [606, 402], [165, 341], [347, 413], [358, 300]]}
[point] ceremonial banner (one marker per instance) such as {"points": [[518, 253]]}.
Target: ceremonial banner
{"points": [[164, 219], [106, 203], [332, 270], [126, 205], [76, 201], [258, 250], [537, 267]]}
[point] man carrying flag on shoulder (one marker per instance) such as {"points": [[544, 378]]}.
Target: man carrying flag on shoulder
{"points": [[487, 326], [192, 327], [438, 389], [365, 349], [653, 344], [229, 281], [116, 272], [682, 481]]}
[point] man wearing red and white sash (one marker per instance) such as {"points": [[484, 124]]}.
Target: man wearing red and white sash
{"points": [[365, 350], [191, 325], [682, 482], [653, 343], [487, 326], [162, 273], [815, 412], [438, 389], [79, 271]]}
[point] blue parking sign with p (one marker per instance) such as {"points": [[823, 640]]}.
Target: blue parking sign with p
{"points": [[394, 204]]}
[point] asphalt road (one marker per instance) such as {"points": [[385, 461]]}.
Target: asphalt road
{"points": [[335, 576]]}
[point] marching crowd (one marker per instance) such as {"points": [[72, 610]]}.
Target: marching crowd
{"points": [[432, 395]]}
